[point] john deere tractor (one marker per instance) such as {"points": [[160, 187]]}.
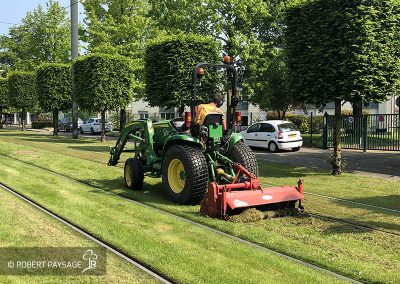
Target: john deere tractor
{"points": [[199, 163]]}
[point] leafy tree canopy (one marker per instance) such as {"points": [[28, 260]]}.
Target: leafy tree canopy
{"points": [[102, 82], [4, 93], [242, 26], [345, 50], [54, 86], [119, 27], [43, 36], [22, 87], [169, 64]]}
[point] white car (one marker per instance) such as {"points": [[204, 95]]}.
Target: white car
{"points": [[93, 126], [274, 135]]}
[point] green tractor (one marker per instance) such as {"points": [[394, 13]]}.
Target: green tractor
{"points": [[199, 163]]}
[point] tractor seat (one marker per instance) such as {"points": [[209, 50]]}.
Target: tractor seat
{"points": [[212, 125], [214, 119]]}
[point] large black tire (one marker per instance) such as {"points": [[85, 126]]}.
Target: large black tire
{"points": [[133, 174], [242, 154], [185, 174]]}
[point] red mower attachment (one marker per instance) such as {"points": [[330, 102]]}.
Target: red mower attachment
{"points": [[248, 193]]}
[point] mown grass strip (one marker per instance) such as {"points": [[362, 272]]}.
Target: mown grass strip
{"points": [[363, 254], [24, 226], [185, 252]]}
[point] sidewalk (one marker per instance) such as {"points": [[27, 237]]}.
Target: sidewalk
{"points": [[382, 164]]}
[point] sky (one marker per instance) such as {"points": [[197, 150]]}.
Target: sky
{"points": [[12, 11]]}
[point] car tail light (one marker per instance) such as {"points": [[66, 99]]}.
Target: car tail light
{"points": [[280, 136]]}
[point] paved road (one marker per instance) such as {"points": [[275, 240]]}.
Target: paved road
{"points": [[379, 163]]}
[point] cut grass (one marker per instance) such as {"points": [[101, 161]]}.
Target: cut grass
{"points": [[362, 254], [24, 226], [177, 248]]}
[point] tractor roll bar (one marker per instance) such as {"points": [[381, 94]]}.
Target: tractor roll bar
{"points": [[234, 100]]}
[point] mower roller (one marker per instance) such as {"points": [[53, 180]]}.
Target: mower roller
{"points": [[201, 164]]}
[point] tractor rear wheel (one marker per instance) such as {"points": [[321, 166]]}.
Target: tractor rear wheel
{"points": [[185, 174], [133, 174], [242, 154]]}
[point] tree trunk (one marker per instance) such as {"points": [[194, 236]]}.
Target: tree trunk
{"points": [[55, 122], [23, 115], [279, 114], [357, 108], [122, 118], [103, 126], [337, 145], [283, 115], [1, 117]]}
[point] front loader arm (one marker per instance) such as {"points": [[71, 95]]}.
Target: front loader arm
{"points": [[130, 132]]}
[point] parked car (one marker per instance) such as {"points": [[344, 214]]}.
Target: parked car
{"points": [[274, 135], [93, 126], [66, 124]]}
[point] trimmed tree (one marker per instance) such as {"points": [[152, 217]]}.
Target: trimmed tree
{"points": [[341, 50], [4, 98], [102, 82], [169, 63], [23, 96], [53, 83]]}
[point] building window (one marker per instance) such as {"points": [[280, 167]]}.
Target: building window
{"points": [[167, 115], [144, 115]]}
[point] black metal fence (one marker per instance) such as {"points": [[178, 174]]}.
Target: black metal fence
{"points": [[365, 132]]}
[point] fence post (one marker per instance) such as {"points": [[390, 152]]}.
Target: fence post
{"points": [[325, 132], [365, 131]]}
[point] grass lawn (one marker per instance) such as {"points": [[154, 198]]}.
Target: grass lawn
{"points": [[363, 254], [181, 250], [23, 225]]}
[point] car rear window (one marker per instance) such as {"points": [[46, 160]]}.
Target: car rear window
{"points": [[287, 127]]}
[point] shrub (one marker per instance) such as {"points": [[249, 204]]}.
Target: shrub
{"points": [[53, 82], [4, 98], [41, 124], [22, 88], [169, 65], [102, 82]]}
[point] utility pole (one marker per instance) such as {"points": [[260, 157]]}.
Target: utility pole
{"points": [[74, 54]]}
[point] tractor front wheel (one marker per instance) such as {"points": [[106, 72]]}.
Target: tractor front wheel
{"points": [[133, 174], [242, 154], [185, 174]]}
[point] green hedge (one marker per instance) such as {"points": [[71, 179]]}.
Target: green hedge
{"points": [[303, 122], [54, 86], [102, 82], [4, 93], [169, 65], [22, 87], [343, 49], [41, 124]]}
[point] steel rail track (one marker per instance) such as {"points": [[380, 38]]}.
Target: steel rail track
{"points": [[353, 202], [142, 266], [255, 245], [355, 224]]}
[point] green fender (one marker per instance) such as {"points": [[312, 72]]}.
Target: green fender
{"points": [[235, 137], [181, 138]]}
